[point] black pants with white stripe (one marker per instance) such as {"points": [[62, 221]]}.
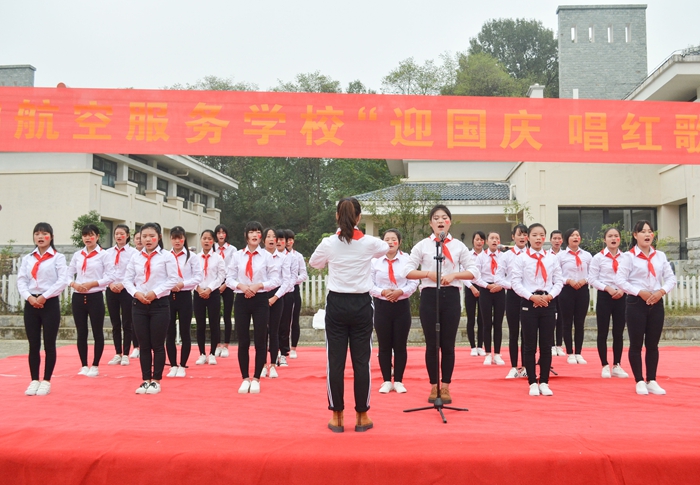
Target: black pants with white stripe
{"points": [[349, 321]]}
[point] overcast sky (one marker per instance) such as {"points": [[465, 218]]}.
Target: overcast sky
{"points": [[150, 44]]}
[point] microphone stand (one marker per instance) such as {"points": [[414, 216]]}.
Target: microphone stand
{"points": [[438, 404]]}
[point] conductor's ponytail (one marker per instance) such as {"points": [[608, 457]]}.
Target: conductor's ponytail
{"points": [[348, 213]]}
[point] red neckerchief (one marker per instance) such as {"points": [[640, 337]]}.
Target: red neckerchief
{"points": [[494, 263], [392, 276], [39, 260], [249, 264], [222, 250], [179, 273], [356, 234], [540, 264], [92, 254], [147, 266], [206, 263], [578, 260], [119, 251], [643, 256], [615, 263], [445, 249]]}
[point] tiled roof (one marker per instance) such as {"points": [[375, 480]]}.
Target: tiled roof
{"points": [[446, 191]]}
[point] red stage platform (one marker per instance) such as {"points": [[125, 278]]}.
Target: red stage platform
{"points": [[199, 430]]}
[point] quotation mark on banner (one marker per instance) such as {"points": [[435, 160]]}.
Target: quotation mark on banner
{"points": [[362, 115]]}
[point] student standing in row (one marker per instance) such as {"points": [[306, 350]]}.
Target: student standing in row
{"points": [[149, 278], [189, 272], [492, 297], [207, 298], [139, 247], [42, 277], [392, 312], [119, 301], [610, 302], [225, 250], [575, 297], [90, 269], [471, 300], [556, 239], [301, 276], [646, 276], [519, 236]]}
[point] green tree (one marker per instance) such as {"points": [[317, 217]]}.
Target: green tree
{"points": [[357, 87], [427, 79], [215, 83], [482, 75], [92, 217], [312, 82], [526, 48]]}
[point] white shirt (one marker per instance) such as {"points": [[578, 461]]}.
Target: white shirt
{"points": [[468, 283], [601, 272], [228, 251], [125, 255], [265, 270], [51, 277], [569, 270], [191, 269], [634, 275], [483, 264], [423, 255], [380, 277], [96, 269], [526, 278], [508, 258], [215, 274], [301, 275], [283, 261], [163, 273], [349, 263]]}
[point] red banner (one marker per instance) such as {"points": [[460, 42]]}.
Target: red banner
{"points": [[347, 126]]}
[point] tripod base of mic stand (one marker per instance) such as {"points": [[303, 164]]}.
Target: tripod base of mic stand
{"points": [[438, 406]]}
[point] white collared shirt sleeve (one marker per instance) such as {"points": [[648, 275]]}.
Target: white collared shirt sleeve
{"points": [[302, 275], [594, 272], [319, 258]]}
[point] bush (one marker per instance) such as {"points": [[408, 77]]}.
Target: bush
{"points": [[92, 217]]}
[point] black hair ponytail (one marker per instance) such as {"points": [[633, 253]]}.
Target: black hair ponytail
{"points": [[348, 212]]}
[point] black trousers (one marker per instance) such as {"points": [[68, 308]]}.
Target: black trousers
{"points": [[644, 326], [119, 306], [574, 306], [151, 324], [48, 319], [537, 322], [257, 308], [348, 322], [180, 306], [91, 305], [273, 327], [286, 323], [450, 311], [559, 331], [296, 311], [492, 307], [392, 323], [473, 317], [513, 316], [605, 308], [227, 297], [202, 307]]}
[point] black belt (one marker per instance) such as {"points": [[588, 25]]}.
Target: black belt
{"points": [[540, 292]]}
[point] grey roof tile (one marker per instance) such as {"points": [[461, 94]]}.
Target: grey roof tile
{"points": [[446, 191]]}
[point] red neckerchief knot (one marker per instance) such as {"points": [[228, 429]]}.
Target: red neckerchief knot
{"points": [[39, 260]]}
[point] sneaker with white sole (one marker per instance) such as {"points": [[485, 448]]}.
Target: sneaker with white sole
{"points": [[522, 372], [400, 388], [173, 371], [264, 372], [487, 360], [605, 374], [534, 389], [224, 352], [181, 372], [245, 387], [142, 388], [480, 351], [254, 387], [283, 361], [554, 351], [125, 360], [211, 360], [84, 371], [201, 360], [217, 352], [560, 352], [619, 372], [571, 359], [135, 353], [580, 359], [44, 388], [498, 359], [93, 372], [545, 390], [292, 354], [273, 372], [642, 388], [386, 387], [33, 387], [474, 352], [512, 373], [652, 386], [153, 388], [116, 360]]}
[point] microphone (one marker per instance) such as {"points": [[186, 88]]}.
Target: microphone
{"points": [[442, 236], [502, 248]]}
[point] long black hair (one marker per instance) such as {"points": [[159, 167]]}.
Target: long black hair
{"points": [[220, 227], [156, 227], [45, 227], [348, 211], [179, 231], [126, 230]]}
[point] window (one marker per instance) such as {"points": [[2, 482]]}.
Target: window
{"points": [[203, 199], [628, 33], [683, 231], [108, 167], [162, 185], [573, 34], [139, 178], [610, 34], [139, 159], [184, 192], [591, 34], [590, 219]]}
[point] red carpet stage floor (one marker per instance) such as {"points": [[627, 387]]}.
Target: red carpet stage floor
{"points": [[199, 430]]}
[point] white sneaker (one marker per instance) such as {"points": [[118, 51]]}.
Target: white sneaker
{"points": [[498, 359], [44, 388], [264, 372], [135, 353], [474, 352], [571, 359], [522, 372], [93, 372], [400, 388], [142, 388], [554, 351], [386, 387], [254, 387], [480, 351], [652, 387], [153, 388], [619, 372], [273, 372], [224, 352], [580, 359], [201, 360], [560, 352], [245, 387], [125, 360], [181, 372], [534, 390], [487, 360], [84, 371], [173, 371], [292, 354], [217, 352], [512, 374], [211, 360], [116, 360], [545, 390], [283, 361], [605, 374], [642, 388], [33, 387]]}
